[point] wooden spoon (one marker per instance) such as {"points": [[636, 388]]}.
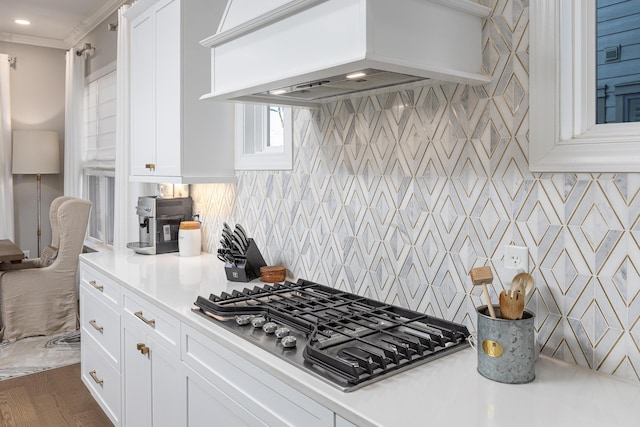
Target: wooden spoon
{"points": [[511, 305], [523, 280], [482, 276], [522, 283]]}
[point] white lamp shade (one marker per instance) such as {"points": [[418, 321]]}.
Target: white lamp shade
{"points": [[36, 152]]}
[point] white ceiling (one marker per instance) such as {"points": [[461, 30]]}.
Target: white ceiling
{"points": [[54, 23]]}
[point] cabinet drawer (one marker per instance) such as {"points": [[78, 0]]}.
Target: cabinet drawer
{"points": [[105, 289], [266, 397], [100, 322], [205, 399], [102, 379], [156, 323]]}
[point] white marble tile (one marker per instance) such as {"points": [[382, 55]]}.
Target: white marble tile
{"points": [[397, 195]]}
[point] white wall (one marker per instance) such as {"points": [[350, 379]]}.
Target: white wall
{"points": [[105, 43], [37, 102]]}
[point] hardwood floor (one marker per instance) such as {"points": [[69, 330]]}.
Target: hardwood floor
{"points": [[51, 398]]}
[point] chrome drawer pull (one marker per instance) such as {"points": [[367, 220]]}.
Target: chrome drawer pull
{"points": [[95, 285], [96, 379], [151, 322], [96, 327]]}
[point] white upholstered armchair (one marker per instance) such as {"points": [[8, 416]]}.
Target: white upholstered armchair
{"points": [[41, 299]]}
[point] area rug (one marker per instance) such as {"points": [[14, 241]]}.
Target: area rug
{"points": [[37, 354]]}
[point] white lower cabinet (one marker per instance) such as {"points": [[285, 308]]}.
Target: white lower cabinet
{"points": [[152, 375], [101, 378], [208, 405], [152, 381], [146, 367], [244, 390], [136, 376], [100, 340]]}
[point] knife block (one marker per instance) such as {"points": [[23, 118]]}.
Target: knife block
{"points": [[248, 269]]}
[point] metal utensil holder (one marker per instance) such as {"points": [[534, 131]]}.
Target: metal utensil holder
{"points": [[506, 348], [246, 269]]}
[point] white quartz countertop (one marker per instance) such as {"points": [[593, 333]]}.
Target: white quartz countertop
{"points": [[444, 392]]}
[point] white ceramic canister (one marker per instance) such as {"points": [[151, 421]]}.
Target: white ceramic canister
{"points": [[189, 238]]}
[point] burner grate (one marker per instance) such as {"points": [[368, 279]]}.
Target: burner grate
{"points": [[355, 339]]}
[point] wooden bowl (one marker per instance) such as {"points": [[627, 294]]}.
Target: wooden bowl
{"points": [[273, 273]]}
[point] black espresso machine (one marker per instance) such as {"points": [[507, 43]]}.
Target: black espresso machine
{"points": [[159, 219]]}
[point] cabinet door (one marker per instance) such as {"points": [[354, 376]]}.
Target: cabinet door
{"points": [[207, 405], [154, 394], [167, 390], [136, 373], [168, 88], [143, 130]]}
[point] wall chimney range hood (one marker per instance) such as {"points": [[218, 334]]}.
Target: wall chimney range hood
{"points": [[306, 52]]}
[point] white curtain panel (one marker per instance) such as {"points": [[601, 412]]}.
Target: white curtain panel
{"points": [[6, 180], [74, 98], [125, 225]]}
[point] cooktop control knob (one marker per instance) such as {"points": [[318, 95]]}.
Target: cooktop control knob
{"points": [[289, 341], [282, 332], [243, 319], [258, 322], [269, 327]]}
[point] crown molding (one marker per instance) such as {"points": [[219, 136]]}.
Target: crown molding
{"points": [[86, 26], [75, 36], [32, 40]]}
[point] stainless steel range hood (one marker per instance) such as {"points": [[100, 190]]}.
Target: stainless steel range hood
{"points": [[305, 52]]}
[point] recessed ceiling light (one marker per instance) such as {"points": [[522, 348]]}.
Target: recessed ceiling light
{"points": [[278, 92], [22, 22], [356, 75]]}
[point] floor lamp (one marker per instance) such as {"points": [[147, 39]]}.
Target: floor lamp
{"points": [[36, 152]]}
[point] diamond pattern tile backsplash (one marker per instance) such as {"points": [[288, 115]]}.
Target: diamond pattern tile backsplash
{"points": [[398, 195]]}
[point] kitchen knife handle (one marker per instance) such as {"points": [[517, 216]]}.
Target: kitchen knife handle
{"points": [[151, 322]]}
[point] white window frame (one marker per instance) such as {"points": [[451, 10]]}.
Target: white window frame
{"points": [[563, 136], [102, 174], [264, 158]]}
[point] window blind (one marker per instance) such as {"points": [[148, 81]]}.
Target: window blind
{"points": [[99, 150]]}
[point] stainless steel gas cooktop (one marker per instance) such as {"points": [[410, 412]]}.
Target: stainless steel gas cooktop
{"points": [[346, 340]]}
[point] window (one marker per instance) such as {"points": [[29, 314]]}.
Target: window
{"points": [[98, 155], [617, 62], [626, 97], [631, 108], [565, 134], [100, 190], [275, 124], [263, 137]]}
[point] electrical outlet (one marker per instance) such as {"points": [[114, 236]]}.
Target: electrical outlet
{"points": [[517, 258], [26, 252]]}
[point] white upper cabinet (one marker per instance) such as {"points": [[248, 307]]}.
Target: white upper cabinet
{"points": [[175, 137]]}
